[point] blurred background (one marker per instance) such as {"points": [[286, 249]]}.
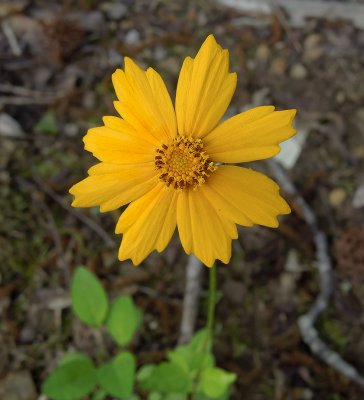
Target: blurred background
{"points": [[56, 61]]}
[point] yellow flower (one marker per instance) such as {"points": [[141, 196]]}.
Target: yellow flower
{"points": [[167, 162]]}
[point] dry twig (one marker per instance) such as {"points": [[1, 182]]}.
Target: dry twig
{"points": [[76, 213], [20, 95], [307, 321], [12, 39], [190, 300]]}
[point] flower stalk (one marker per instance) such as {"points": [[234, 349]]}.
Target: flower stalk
{"points": [[212, 300]]}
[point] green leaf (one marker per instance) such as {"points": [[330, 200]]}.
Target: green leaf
{"points": [[191, 361], [99, 395], [201, 396], [155, 396], [89, 300], [47, 124], [73, 379], [73, 357], [196, 355], [123, 320], [168, 377], [201, 341], [215, 382], [145, 372], [175, 396], [117, 376]]}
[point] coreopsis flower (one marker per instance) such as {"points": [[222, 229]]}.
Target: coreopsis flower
{"points": [[173, 164]]}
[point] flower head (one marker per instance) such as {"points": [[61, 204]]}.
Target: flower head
{"points": [[169, 162]]}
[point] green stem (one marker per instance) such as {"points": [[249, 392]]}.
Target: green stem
{"points": [[212, 299], [210, 321]]}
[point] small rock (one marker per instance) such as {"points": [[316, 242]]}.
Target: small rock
{"points": [[251, 64], [358, 152], [132, 38], [202, 19], [27, 335], [235, 291], [298, 71], [92, 21], [160, 53], [337, 197], [287, 284], [115, 11], [312, 47], [340, 97], [9, 127], [291, 149], [278, 66], [262, 53], [89, 100], [12, 7], [358, 200], [59, 301], [302, 394], [292, 263], [260, 97], [18, 386], [70, 129], [28, 31], [41, 76], [114, 58]]}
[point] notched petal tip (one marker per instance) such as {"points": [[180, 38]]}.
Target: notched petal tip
{"points": [[76, 202], [128, 62], [293, 112], [73, 190], [209, 264], [210, 41], [123, 255], [131, 67], [116, 75], [286, 209], [252, 135], [233, 76]]}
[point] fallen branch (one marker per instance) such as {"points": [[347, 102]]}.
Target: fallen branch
{"points": [[76, 213], [19, 95], [23, 101], [307, 321], [12, 39], [24, 91], [190, 300], [298, 11]]}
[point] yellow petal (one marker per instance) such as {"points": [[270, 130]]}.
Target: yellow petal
{"points": [[147, 224], [117, 142], [144, 101], [119, 124], [201, 230], [204, 90], [163, 101], [244, 196], [251, 135], [112, 185]]}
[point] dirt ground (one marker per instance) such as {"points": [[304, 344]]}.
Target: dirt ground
{"points": [[56, 61]]}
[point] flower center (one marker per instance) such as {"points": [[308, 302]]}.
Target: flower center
{"points": [[182, 163]]}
